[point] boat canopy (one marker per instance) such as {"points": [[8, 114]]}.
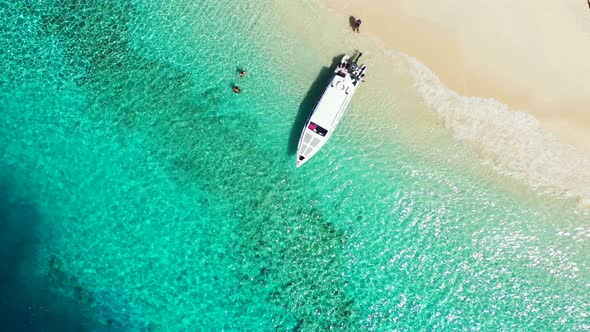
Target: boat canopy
{"points": [[331, 102]]}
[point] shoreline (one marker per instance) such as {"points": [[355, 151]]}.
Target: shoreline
{"points": [[502, 68], [513, 143]]}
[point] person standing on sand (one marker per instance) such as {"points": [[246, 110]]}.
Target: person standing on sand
{"points": [[357, 25]]}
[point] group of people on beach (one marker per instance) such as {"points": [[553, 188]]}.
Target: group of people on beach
{"points": [[242, 73]]}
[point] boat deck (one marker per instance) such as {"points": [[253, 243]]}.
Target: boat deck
{"points": [[332, 101]]}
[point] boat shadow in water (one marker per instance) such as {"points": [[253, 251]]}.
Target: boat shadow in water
{"points": [[308, 103]]}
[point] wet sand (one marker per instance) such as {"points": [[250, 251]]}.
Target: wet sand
{"points": [[532, 56]]}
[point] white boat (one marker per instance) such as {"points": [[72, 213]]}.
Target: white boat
{"points": [[330, 108]]}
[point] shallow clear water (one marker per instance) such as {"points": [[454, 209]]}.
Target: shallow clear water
{"points": [[141, 193]]}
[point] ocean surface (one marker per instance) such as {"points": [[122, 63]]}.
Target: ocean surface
{"points": [[139, 193]]}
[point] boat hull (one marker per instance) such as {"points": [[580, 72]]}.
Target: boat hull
{"points": [[329, 109]]}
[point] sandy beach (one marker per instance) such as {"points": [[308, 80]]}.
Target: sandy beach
{"points": [[531, 55]]}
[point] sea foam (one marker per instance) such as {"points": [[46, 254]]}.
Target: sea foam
{"points": [[512, 141]]}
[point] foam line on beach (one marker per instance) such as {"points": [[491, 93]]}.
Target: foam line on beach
{"points": [[513, 140]]}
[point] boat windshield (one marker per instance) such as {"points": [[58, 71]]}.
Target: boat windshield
{"points": [[317, 129]]}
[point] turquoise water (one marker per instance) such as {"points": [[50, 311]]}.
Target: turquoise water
{"points": [[141, 193]]}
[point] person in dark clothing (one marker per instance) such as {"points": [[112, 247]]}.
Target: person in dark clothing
{"points": [[357, 25]]}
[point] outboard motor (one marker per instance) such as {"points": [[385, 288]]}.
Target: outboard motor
{"points": [[354, 65], [358, 57]]}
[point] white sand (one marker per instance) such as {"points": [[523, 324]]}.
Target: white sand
{"points": [[533, 55]]}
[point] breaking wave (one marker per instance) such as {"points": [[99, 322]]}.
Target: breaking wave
{"points": [[513, 141]]}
